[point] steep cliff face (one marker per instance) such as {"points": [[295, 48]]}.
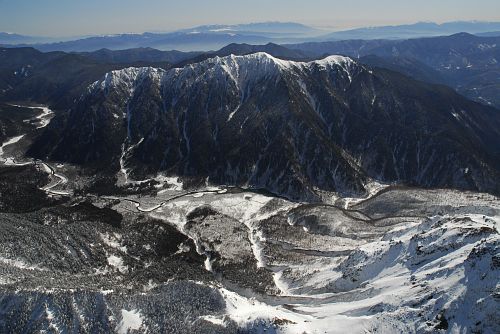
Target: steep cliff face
{"points": [[289, 127]]}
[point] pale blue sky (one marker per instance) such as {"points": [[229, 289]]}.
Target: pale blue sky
{"points": [[85, 17]]}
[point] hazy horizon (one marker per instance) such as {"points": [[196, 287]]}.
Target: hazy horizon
{"points": [[52, 18]]}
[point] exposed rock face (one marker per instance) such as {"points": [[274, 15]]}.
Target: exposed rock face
{"points": [[288, 127]]}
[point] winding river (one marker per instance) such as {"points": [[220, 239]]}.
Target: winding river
{"points": [[41, 121]]}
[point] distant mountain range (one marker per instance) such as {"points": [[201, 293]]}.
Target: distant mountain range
{"points": [[183, 41], [489, 34], [270, 29], [139, 55], [210, 37], [214, 37], [16, 39], [420, 29]]}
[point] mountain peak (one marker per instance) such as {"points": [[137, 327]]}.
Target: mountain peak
{"points": [[127, 77], [335, 60]]}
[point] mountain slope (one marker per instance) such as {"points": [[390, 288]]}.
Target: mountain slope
{"points": [[465, 62], [407, 66], [272, 49], [289, 127], [56, 78], [138, 55]]}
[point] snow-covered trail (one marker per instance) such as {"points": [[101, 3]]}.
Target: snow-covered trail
{"points": [[140, 205], [59, 180]]}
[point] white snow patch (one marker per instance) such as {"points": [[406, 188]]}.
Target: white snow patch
{"points": [[131, 320], [10, 141], [372, 189], [113, 240], [19, 264], [117, 262]]}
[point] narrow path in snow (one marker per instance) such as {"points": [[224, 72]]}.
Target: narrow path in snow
{"points": [[139, 207], [60, 179]]}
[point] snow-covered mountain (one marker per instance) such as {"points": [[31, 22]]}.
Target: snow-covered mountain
{"points": [[294, 128], [80, 254], [269, 29]]}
